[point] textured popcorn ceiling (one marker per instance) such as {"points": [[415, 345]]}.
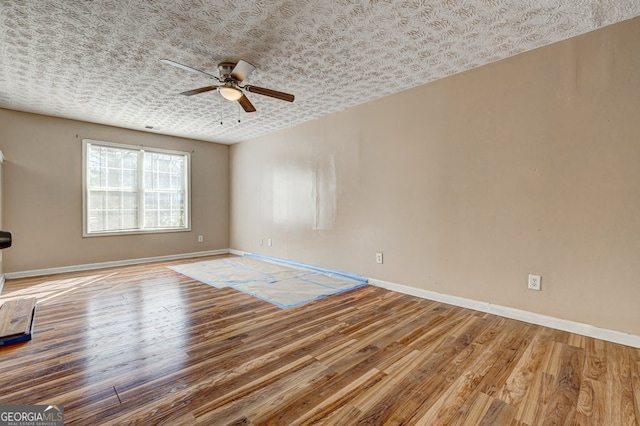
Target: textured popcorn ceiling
{"points": [[98, 60]]}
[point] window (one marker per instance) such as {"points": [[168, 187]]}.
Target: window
{"points": [[129, 189]]}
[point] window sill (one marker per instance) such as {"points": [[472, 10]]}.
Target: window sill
{"points": [[136, 232]]}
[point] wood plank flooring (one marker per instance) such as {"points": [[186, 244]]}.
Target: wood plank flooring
{"points": [[146, 345]]}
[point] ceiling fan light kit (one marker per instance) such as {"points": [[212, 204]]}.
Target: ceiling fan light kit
{"points": [[230, 93], [231, 74]]}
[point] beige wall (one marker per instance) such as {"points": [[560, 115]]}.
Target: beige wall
{"points": [[42, 199], [468, 184]]}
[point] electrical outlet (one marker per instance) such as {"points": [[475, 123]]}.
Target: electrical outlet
{"points": [[200, 238], [534, 282], [269, 242], [379, 257]]}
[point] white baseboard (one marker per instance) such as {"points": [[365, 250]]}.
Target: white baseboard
{"points": [[89, 266], [238, 252], [517, 314]]}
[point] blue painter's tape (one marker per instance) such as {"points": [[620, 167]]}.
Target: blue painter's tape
{"points": [[311, 267]]}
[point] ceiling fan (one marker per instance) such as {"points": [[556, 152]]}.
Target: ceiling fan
{"points": [[231, 75]]}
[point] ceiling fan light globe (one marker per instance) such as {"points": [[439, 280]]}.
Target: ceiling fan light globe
{"points": [[230, 93]]}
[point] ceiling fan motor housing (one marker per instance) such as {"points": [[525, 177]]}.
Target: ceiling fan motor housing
{"points": [[225, 68]]}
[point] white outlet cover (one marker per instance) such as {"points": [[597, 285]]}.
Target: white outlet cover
{"points": [[534, 282]]}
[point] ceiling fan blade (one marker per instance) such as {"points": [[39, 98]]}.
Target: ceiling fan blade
{"points": [[246, 104], [187, 68], [200, 90], [242, 70], [272, 93]]}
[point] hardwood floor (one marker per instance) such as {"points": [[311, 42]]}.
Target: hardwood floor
{"points": [[146, 345]]}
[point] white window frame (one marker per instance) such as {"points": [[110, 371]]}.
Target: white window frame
{"points": [[141, 229]]}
